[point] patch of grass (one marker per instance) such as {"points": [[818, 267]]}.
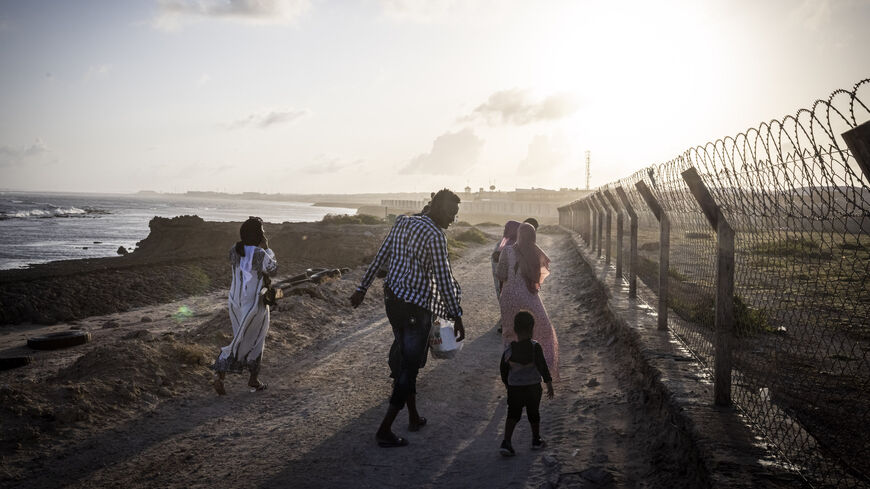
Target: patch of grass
{"points": [[852, 247], [190, 354], [550, 229], [487, 223], [793, 247], [348, 219], [465, 224], [698, 236], [675, 274], [649, 268], [750, 320], [843, 358], [701, 310], [454, 248], [195, 280], [472, 235], [651, 246]]}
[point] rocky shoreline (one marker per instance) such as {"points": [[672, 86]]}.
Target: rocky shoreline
{"points": [[181, 256]]}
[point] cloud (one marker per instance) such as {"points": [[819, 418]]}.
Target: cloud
{"points": [[545, 154], [267, 119], [98, 71], [814, 15], [516, 107], [431, 11], [203, 80], [324, 164], [172, 14], [417, 10], [10, 156], [452, 154]]}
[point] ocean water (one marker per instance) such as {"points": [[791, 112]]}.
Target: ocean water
{"points": [[43, 227]]}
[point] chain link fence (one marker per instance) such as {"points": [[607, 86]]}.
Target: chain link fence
{"points": [[798, 201]]}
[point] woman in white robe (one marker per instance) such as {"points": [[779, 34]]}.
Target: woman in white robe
{"points": [[251, 261]]}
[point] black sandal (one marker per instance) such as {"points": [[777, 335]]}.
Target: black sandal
{"points": [[395, 441], [416, 426]]}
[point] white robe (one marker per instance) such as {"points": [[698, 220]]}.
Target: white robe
{"points": [[248, 315]]}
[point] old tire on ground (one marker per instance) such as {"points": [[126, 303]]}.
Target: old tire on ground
{"points": [[54, 341], [14, 362]]}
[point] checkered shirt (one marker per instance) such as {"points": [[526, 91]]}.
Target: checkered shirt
{"points": [[419, 271]]}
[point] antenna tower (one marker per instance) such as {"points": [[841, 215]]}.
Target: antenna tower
{"points": [[587, 169]]}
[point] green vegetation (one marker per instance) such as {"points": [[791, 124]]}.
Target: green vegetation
{"points": [[649, 246], [698, 306], [472, 235], [459, 241], [749, 320], [484, 224], [853, 247], [550, 229], [698, 236], [454, 248], [348, 219], [648, 269], [794, 247]]}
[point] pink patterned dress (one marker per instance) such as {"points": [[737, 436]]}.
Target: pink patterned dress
{"points": [[515, 297]]}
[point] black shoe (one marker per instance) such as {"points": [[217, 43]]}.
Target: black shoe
{"points": [[538, 443], [506, 449]]}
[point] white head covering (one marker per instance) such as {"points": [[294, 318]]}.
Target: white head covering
{"points": [[245, 263]]}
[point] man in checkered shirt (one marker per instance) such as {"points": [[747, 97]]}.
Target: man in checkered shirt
{"points": [[418, 285]]}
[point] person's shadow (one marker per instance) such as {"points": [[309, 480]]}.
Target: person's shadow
{"points": [[450, 451]]}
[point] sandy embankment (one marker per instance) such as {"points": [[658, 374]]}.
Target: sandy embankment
{"points": [[133, 408], [157, 318], [180, 257]]}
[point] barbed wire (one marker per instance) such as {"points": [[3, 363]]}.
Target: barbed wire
{"points": [[800, 205]]}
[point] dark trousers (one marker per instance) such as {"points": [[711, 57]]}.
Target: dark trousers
{"points": [[524, 396], [411, 325]]}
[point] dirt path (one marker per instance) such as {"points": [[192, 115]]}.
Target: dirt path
{"points": [[314, 426]]}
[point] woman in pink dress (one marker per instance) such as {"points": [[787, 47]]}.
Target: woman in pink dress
{"points": [[522, 268]]}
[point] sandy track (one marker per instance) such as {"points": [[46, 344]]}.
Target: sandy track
{"points": [[314, 426]]}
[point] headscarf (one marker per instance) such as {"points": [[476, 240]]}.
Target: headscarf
{"points": [[251, 233], [534, 264], [509, 236]]}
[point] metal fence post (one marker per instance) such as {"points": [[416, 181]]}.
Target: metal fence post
{"points": [[664, 250], [571, 219], [632, 256], [607, 219], [724, 285], [608, 224], [599, 227], [612, 201], [858, 141], [584, 219], [593, 216]]}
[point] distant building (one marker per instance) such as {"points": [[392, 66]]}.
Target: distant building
{"points": [[481, 206]]}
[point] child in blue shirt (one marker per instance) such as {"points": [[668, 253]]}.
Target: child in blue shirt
{"points": [[522, 368]]}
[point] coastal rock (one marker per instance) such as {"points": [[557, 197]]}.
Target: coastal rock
{"points": [[146, 319], [122, 250], [180, 257]]}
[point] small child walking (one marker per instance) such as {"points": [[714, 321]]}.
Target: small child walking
{"points": [[522, 368]]}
